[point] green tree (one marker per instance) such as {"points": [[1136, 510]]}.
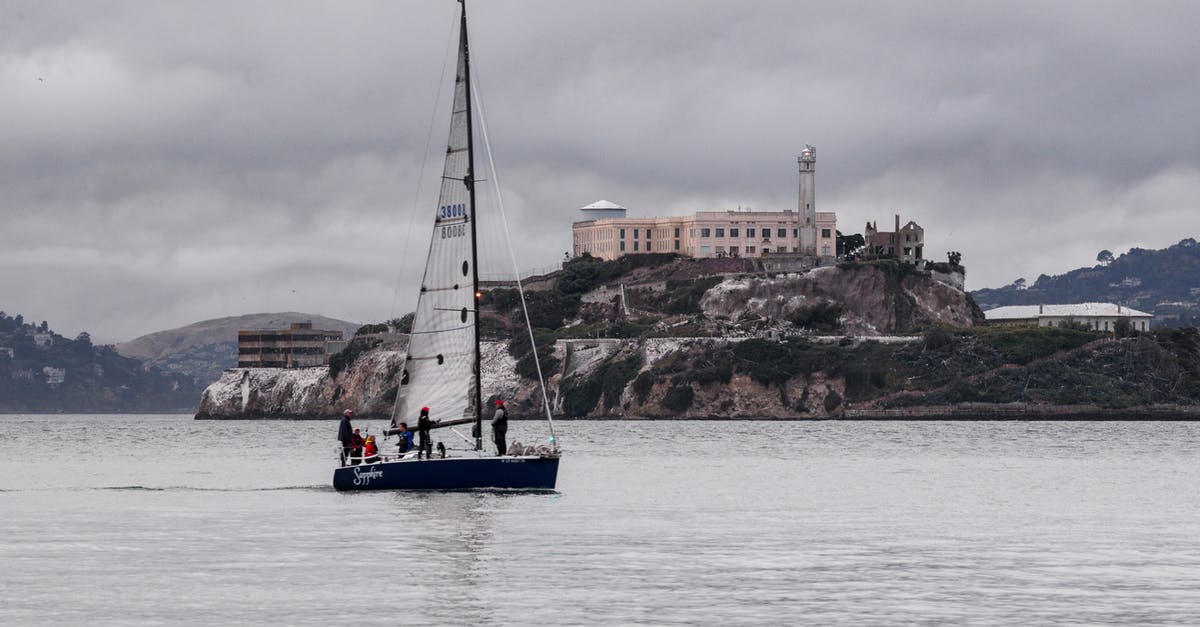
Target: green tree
{"points": [[404, 323], [849, 244]]}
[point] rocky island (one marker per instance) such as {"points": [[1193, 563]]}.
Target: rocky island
{"points": [[667, 337]]}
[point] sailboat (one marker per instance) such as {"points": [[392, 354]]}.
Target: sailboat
{"points": [[442, 367]]}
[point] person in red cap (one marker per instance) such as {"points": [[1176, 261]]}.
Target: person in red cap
{"points": [[500, 427], [424, 443]]}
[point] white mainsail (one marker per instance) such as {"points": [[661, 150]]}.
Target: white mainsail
{"points": [[440, 371]]}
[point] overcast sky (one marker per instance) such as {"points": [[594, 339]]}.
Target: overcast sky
{"points": [[163, 163]]}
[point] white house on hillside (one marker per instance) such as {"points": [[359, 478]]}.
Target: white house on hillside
{"points": [[1099, 316]]}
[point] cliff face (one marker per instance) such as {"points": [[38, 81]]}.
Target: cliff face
{"points": [[876, 299], [367, 387]]}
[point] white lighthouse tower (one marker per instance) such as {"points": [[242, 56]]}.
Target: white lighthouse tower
{"points": [[807, 207]]}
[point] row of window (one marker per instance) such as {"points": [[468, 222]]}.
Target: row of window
{"points": [[636, 231], [733, 232], [308, 336], [282, 350], [648, 245], [766, 233], [750, 250]]}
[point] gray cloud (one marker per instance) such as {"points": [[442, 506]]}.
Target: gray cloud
{"points": [[164, 163]]}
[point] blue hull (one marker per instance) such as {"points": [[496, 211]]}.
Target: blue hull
{"points": [[452, 473]]}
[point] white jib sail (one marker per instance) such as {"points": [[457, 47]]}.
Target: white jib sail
{"points": [[439, 372]]}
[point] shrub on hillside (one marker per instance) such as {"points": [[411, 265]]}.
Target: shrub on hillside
{"points": [[357, 346], [824, 317], [679, 398], [548, 309], [766, 361], [642, 386], [1025, 344], [683, 296], [580, 394]]}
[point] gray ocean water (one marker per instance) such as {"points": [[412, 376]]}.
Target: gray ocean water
{"points": [[162, 519]]}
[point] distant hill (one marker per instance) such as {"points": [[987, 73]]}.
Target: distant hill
{"points": [[1163, 282], [44, 372], [204, 349]]}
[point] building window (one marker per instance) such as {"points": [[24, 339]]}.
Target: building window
{"points": [[676, 243], [795, 232], [622, 233], [795, 249], [704, 232], [676, 231], [825, 250], [781, 249], [750, 233], [825, 233], [720, 232], [635, 233], [622, 245], [720, 250], [750, 250], [780, 232], [647, 233], [733, 251], [635, 244], [733, 232], [648, 242]]}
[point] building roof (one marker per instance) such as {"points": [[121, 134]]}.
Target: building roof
{"points": [[1082, 310], [604, 204]]}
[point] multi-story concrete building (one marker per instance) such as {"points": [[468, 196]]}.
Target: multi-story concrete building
{"points": [[300, 346], [607, 232]]}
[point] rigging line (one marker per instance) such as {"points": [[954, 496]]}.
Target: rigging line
{"points": [[412, 214], [487, 148]]}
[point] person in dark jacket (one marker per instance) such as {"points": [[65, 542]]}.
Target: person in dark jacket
{"points": [[500, 427], [345, 434], [424, 442], [356, 448]]}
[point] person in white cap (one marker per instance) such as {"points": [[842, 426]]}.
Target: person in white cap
{"points": [[346, 434]]}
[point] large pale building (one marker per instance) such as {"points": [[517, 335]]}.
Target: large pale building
{"points": [[606, 232]]}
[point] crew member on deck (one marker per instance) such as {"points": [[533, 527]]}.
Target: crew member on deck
{"points": [[345, 433], [356, 448], [370, 451], [424, 442], [406, 443], [500, 427]]}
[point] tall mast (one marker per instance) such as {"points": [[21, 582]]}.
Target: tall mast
{"points": [[470, 181]]}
